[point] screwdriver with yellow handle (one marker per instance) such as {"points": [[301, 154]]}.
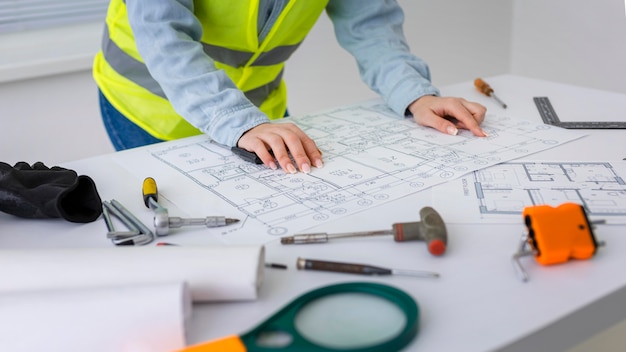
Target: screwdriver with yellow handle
{"points": [[486, 89], [163, 222]]}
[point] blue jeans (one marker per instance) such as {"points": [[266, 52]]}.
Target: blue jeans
{"points": [[123, 133]]}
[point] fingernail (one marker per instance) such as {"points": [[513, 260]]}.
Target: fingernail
{"points": [[452, 130], [291, 169], [319, 164], [485, 133], [273, 166], [305, 168]]}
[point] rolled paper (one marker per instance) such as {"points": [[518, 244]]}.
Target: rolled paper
{"points": [[144, 317], [213, 273]]}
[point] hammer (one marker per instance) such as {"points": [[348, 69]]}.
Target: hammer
{"points": [[431, 230]]}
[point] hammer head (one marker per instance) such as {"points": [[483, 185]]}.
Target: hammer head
{"points": [[431, 229]]}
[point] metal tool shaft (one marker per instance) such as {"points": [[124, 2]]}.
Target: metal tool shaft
{"points": [[209, 221], [323, 237], [360, 269], [431, 230], [498, 100], [132, 218], [113, 210], [133, 236], [163, 222]]}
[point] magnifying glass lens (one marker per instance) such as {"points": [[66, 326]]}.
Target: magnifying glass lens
{"points": [[350, 320]]}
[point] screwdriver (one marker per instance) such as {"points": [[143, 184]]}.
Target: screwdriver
{"points": [[431, 229], [163, 222], [486, 89], [361, 269]]}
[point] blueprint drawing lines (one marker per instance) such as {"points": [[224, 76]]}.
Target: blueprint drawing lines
{"points": [[500, 193], [370, 157], [510, 187]]}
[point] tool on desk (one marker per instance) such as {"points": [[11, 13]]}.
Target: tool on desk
{"points": [[276, 266], [549, 117], [114, 234], [486, 89], [137, 233], [360, 269], [369, 317], [431, 229], [246, 155], [556, 235], [163, 222]]}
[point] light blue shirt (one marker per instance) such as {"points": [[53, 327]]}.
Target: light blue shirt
{"points": [[167, 35]]}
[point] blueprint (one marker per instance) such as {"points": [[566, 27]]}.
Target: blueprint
{"points": [[371, 157], [499, 193]]}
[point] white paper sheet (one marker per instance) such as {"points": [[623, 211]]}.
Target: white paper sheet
{"points": [[371, 157], [499, 194], [213, 273], [137, 318]]}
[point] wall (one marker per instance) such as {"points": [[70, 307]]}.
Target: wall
{"points": [[578, 42], [456, 37], [51, 119]]}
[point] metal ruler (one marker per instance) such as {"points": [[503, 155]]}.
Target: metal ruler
{"points": [[550, 117]]}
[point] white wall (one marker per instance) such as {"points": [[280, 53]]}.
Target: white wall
{"points": [[580, 42], [460, 40], [51, 119]]}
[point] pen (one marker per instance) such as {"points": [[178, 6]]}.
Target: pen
{"points": [[361, 269]]}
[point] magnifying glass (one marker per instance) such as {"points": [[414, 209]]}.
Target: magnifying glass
{"points": [[349, 317]]}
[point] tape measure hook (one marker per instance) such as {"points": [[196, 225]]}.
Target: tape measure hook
{"points": [[524, 250]]}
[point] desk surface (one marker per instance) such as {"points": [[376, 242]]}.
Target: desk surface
{"points": [[478, 304]]}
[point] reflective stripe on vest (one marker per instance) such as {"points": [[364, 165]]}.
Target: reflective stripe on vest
{"points": [[128, 66], [137, 71], [237, 58], [229, 38]]}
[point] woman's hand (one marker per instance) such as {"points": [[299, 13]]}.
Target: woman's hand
{"points": [[447, 114], [286, 141]]}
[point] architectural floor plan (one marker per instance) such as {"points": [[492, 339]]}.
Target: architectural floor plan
{"points": [[499, 193], [371, 157]]}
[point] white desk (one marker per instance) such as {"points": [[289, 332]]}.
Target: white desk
{"points": [[478, 304]]}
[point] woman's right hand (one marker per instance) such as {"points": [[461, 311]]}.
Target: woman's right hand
{"points": [[286, 141]]}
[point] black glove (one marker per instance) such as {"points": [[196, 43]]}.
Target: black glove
{"points": [[42, 192]]}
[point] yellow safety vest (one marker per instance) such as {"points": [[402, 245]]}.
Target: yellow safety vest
{"points": [[229, 37]]}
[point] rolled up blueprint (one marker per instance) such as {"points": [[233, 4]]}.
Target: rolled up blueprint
{"points": [[144, 317], [213, 273]]}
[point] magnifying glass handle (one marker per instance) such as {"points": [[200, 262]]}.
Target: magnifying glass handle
{"points": [[226, 344], [279, 333]]}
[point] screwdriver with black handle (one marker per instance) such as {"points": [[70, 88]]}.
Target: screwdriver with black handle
{"points": [[486, 89], [163, 222]]}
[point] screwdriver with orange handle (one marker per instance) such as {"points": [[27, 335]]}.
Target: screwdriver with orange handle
{"points": [[486, 89]]}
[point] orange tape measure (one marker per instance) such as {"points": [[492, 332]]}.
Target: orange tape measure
{"points": [[556, 235]]}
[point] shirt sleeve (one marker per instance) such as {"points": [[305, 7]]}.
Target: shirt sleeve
{"points": [[372, 32], [167, 35]]}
